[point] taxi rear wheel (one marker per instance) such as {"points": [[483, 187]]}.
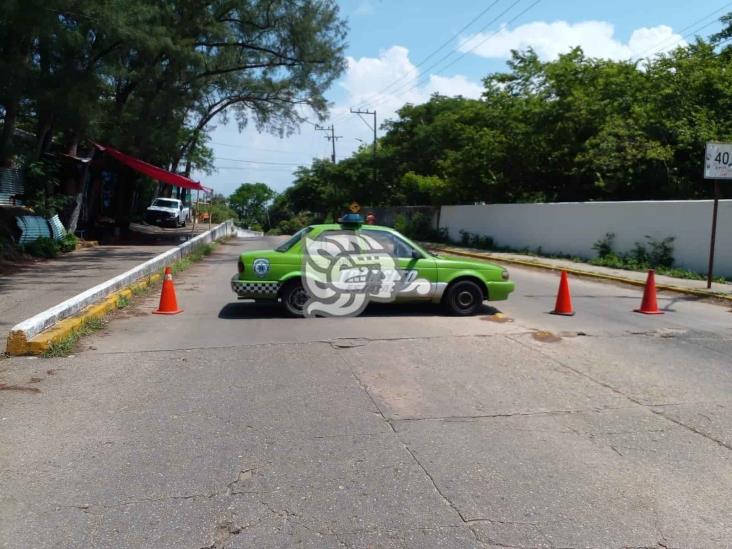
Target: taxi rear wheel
{"points": [[294, 297], [463, 298]]}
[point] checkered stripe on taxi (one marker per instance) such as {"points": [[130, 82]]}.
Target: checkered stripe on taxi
{"points": [[244, 288]]}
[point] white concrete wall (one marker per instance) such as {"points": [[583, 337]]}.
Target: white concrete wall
{"points": [[572, 228]]}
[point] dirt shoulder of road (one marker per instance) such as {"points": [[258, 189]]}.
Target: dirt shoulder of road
{"points": [[697, 288]]}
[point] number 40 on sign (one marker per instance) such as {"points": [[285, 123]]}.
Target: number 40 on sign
{"points": [[718, 161]]}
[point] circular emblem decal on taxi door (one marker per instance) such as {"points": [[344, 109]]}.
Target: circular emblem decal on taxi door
{"points": [[261, 267]]}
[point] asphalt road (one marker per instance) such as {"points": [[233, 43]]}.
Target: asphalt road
{"points": [[232, 426]]}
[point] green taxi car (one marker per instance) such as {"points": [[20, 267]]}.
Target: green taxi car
{"points": [[461, 285]]}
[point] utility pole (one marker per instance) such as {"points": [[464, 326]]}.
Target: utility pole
{"points": [[332, 138], [359, 112]]}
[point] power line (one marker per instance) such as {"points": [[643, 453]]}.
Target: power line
{"points": [[359, 112], [426, 76], [247, 148], [431, 55], [257, 161], [261, 168], [683, 32]]}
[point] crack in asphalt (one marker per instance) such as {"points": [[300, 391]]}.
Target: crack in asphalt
{"points": [[414, 457], [332, 342], [458, 419], [617, 391], [228, 491]]}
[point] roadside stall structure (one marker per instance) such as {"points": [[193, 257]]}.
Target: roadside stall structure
{"points": [[112, 197]]}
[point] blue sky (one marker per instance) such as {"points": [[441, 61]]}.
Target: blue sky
{"points": [[389, 38]]}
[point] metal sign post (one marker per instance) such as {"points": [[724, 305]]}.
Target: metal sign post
{"points": [[717, 166]]}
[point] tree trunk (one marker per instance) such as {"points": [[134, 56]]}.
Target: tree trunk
{"points": [[6, 138], [73, 145], [79, 196], [74, 219], [43, 135]]}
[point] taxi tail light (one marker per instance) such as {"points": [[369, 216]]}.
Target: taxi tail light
{"points": [[240, 266]]}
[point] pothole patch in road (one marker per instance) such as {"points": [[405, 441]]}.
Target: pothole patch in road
{"points": [[545, 336], [348, 343], [20, 388], [497, 317], [573, 334], [223, 532], [661, 332]]}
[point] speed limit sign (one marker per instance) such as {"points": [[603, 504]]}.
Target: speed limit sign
{"points": [[718, 161], [717, 166]]}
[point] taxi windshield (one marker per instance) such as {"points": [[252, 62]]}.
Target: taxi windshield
{"points": [[290, 242]]}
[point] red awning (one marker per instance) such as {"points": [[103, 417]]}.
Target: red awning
{"points": [[153, 171]]}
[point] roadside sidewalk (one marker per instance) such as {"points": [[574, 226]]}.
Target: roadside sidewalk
{"points": [[39, 286], [680, 285]]}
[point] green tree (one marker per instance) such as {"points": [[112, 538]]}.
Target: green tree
{"points": [[251, 202], [150, 77]]}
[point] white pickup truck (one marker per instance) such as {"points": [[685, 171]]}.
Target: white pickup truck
{"points": [[167, 211]]}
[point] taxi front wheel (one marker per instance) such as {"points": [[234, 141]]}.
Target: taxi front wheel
{"points": [[294, 297], [463, 298]]}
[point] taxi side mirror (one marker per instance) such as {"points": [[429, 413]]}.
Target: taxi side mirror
{"points": [[416, 254]]}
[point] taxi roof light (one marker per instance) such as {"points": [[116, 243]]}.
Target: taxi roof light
{"points": [[353, 219]]}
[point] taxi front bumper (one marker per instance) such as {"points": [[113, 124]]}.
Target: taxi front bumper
{"points": [[499, 291], [254, 289]]}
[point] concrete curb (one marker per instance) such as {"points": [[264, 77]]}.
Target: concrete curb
{"points": [[34, 335], [580, 272]]}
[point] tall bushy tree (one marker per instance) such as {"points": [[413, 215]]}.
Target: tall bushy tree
{"points": [[573, 129], [250, 201], [150, 76]]}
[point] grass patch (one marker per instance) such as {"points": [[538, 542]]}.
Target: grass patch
{"points": [[140, 289], [653, 254], [197, 254], [66, 346], [628, 264]]}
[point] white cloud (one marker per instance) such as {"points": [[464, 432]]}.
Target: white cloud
{"points": [[391, 79], [454, 85], [597, 39], [366, 83]]}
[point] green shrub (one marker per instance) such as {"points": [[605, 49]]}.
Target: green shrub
{"points": [[479, 241], [400, 223], [419, 227], [604, 246], [483, 242], [68, 243], [294, 224], [43, 247], [661, 253]]}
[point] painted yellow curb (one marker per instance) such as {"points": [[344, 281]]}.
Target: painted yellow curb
{"points": [[587, 274], [37, 345]]}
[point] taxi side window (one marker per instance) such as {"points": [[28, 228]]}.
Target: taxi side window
{"points": [[391, 243], [347, 238]]}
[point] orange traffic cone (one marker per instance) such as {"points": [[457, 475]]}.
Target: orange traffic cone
{"points": [[649, 306], [168, 303], [564, 300]]}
